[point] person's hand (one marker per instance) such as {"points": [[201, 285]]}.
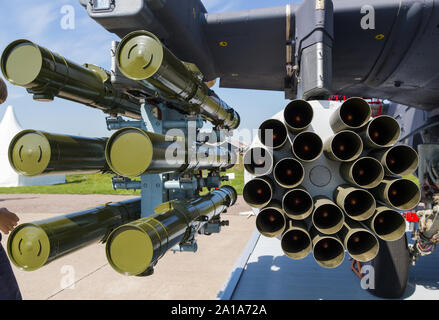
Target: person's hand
{"points": [[8, 220]]}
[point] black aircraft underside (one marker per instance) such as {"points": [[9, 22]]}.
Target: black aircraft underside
{"points": [[395, 60]]}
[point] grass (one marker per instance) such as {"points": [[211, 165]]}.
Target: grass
{"points": [[238, 182], [101, 184], [76, 184]]}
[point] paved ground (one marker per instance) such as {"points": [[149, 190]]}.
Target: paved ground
{"points": [[177, 276]]}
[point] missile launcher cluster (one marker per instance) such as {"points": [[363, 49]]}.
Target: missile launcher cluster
{"points": [[328, 188], [137, 232]]}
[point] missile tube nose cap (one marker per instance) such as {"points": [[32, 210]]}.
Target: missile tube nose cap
{"points": [[129, 152], [129, 250], [29, 247], [21, 62], [29, 153], [139, 55]]}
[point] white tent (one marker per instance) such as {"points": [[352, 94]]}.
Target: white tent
{"points": [[9, 127]]}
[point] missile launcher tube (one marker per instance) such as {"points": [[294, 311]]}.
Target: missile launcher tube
{"points": [[33, 153], [135, 247], [131, 152], [141, 56], [33, 245], [47, 75]]}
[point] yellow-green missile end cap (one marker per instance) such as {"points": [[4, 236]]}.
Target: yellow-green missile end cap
{"points": [[29, 247], [29, 153], [129, 251], [21, 62], [129, 152], [139, 55]]}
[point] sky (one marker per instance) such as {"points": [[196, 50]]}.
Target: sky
{"points": [[41, 21]]}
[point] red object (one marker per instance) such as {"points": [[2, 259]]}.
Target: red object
{"points": [[411, 217], [356, 268]]}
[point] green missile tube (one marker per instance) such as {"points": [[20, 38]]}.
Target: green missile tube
{"points": [[298, 204], [271, 221], [401, 194], [258, 161], [353, 114], [381, 132], [345, 146], [361, 244], [135, 247], [327, 217], [131, 152], [296, 241], [298, 116], [141, 56], [364, 172], [273, 134], [358, 204], [388, 224], [47, 75], [400, 160], [33, 153], [258, 192], [328, 250], [33, 245]]}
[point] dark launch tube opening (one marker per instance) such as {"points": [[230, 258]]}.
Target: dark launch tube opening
{"points": [[270, 221], [257, 192], [298, 114], [384, 131], [327, 216], [346, 145], [328, 249], [289, 173], [297, 202], [258, 161], [307, 146], [355, 112], [404, 194], [273, 133], [401, 158], [295, 241], [390, 225], [358, 202], [361, 242], [366, 171]]}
